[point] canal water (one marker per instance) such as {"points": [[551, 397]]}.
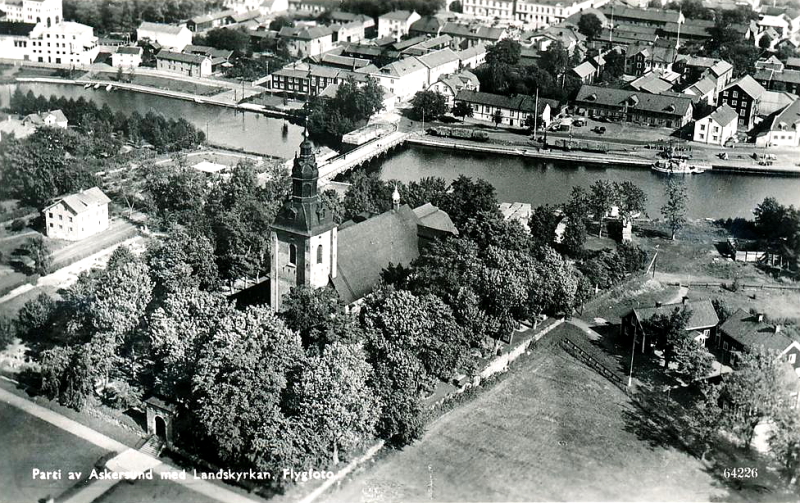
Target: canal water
{"points": [[711, 195]]}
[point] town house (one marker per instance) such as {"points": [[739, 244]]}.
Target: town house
{"points": [[77, 216], [665, 110], [717, 127], [701, 325], [744, 96]]}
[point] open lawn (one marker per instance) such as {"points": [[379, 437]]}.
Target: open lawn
{"points": [[27, 443], [553, 430]]}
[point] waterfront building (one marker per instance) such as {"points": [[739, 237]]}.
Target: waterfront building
{"points": [[168, 36], [744, 96], [535, 13], [77, 216], [665, 110], [47, 12], [191, 65], [514, 110], [643, 17], [66, 43], [784, 128], [696, 69], [15, 39], [717, 127], [219, 57], [127, 57], [450, 85], [703, 90], [307, 41], [779, 80], [53, 118], [396, 24], [310, 80]]}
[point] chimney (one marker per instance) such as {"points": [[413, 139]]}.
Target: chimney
{"points": [[684, 300], [777, 329], [761, 317], [658, 304]]}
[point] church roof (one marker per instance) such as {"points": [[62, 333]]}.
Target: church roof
{"points": [[366, 248]]}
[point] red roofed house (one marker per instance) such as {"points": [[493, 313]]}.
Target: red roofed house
{"points": [[77, 216]]}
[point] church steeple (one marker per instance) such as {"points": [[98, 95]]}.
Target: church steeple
{"points": [[304, 235]]}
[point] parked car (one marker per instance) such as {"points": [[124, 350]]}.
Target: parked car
{"points": [[599, 129], [578, 123]]}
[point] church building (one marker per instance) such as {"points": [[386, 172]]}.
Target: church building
{"points": [[310, 249]]}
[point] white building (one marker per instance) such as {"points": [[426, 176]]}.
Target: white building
{"points": [[66, 43], [450, 85], [439, 63], [127, 57], [717, 127], [48, 12], [396, 23], [15, 40], [784, 130], [169, 36], [472, 57], [265, 6], [77, 216], [532, 13], [307, 41], [403, 78], [53, 118], [191, 65]]}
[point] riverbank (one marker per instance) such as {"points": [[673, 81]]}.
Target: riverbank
{"points": [[633, 158], [100, 84]]}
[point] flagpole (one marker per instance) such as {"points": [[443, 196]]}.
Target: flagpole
{"points": [[680, 16], [535, 113]]}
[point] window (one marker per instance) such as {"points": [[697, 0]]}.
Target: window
{"points": [[702, 127], [725, 346], [61, 217], [319, 254], [792, 357], [51, 224], [292, 254], [51, 214]]}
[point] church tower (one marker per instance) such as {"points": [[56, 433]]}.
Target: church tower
{"points": [[304, 233]]}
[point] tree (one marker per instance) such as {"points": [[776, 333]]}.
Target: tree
{"points": [[764, 42], [333, 395], [753, 393], [462, 109], [542, 223], [614, 67], [352, 106], [228, 39], [668, 332], [590, 25], [497, 117], [120, 74], [8, 332], [630, 200], [310, 311], [785, 443], [555, 59], [574, 237], [601, 199], [367, 193], [704, 417], [239, 386], [469, 197], [280, 22], [39, 251], [428, 105], [674, 209], [505, 52], [181, 260]]}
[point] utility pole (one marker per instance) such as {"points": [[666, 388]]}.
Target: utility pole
{"points": [[535, 113], [633, 352]]}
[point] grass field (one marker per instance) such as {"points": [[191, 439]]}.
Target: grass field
{"points": [[27, 443], [553, 430]]}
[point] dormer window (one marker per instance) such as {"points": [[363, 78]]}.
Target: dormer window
{"points": [[293, 254]]}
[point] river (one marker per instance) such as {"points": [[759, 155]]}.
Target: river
{"points": [[711, 195]]}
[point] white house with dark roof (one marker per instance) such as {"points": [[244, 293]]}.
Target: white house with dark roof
{"points": [[53, 118], [704, 89], [127, 57], [514, 110], [450, 85], [717, 127], [396, 24], [472, 57], [77, 216], [439, 63], [404, 78], [307, 40], [466, 35], [169, 36], [15, 39], [701, 325], [191, 65], [784, 128]]}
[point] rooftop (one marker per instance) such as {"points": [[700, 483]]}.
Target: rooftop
{"points": [[170, 29], [181, 57], [703, 315], [83, 201], [129, 50], [635, 100], [748, 85], [788, 118], [438, 58], [724, 115], [747, 330], [398, 15]]}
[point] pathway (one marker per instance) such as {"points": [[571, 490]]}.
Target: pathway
{"points": [[201, 486]]}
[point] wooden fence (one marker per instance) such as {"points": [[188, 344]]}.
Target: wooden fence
{"points": [[700, 284]]}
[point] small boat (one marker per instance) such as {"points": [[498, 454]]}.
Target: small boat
{"points": [[198, 100], [87, 86], [109, 87], [97, 86], [676, 167]]}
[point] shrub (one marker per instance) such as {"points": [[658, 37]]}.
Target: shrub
{"points": [[18, 224]]}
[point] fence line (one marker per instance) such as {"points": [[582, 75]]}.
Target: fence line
{"points": [[576, 351], [741, 285]]}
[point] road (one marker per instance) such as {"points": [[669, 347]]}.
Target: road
{"points": [[354, 157], [118, 230]]}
